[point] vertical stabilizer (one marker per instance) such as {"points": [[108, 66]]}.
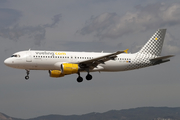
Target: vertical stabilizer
{"points": [[155, 43]]}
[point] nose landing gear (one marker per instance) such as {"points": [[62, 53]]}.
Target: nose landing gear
{"points": [[27, 76]]}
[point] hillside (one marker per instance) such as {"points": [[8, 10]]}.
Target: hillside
{"points": [[144, 113], [5, 117]]}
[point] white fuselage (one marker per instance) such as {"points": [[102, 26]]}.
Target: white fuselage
{"points": [[51, 60], [61, 63]]}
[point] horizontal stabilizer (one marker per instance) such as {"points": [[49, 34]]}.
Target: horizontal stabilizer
{"points": [[161, 58]]}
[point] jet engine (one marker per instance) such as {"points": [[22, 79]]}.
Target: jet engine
{"points": [[55, 73], [69, 68], [66, 69]]}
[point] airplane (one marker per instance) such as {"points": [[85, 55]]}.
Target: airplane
{"points": [[61, 63]]}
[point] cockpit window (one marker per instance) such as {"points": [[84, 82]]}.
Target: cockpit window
{"points": [[15, 55]]}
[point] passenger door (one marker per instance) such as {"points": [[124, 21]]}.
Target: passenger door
{"points": [[28, 56]]}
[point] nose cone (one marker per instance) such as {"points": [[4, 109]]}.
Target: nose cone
{"points": [[7, 62]]}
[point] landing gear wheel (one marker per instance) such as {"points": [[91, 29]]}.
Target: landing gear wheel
{"points": [[79, 79], [88, 77], [26, 77]]}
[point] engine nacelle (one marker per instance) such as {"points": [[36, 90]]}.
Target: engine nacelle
{"points": [[55, 73], [69, 68], [66, 68]]}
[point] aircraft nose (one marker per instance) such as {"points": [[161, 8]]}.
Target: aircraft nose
{"points": [[7, 62]]}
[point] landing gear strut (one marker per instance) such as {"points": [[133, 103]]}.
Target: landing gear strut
{"points": [[79, 79], [88, 76], [27, 76]]}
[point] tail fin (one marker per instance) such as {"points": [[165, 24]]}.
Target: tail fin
{"points": [[155, 43]]}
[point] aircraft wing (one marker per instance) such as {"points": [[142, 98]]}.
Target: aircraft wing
{"points": [[99, 60]]}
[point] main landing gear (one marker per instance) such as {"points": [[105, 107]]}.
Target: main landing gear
{"points": [[27, 76], [80, 79], [88, 77]]}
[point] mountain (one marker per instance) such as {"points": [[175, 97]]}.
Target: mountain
{"points": [[5, 117], [143, 113]]}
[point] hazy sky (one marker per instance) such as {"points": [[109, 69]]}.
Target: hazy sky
{"points": [[87, 25]]}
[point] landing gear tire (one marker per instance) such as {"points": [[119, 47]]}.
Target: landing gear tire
{"points": [[88, 77], [79, 79], [26, 77]]}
